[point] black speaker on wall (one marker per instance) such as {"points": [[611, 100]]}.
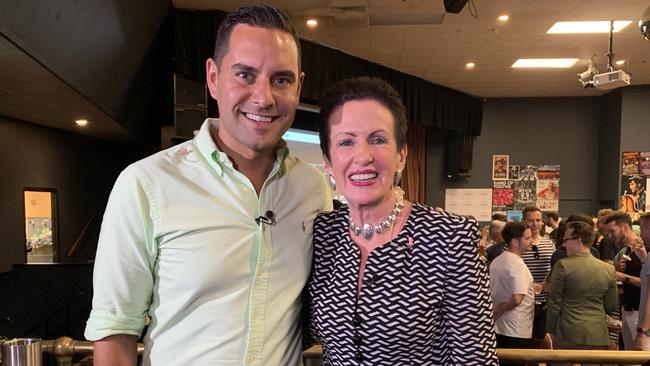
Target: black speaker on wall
{"points": [[190, 93], [190, 106], [459, 155], [454, 6], [188, 120]]}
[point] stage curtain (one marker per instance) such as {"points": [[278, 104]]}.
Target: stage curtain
{"points": [[426, 103], [414, 177]]}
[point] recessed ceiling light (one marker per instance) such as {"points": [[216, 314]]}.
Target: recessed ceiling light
{"points": [[312, 23], [620, 62], [470, 65], [587, 27], [81, 122], [559, 63], [503, 18]]}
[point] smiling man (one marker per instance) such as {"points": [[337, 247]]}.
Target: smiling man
{"points": [[538, 260], [211, 239]]}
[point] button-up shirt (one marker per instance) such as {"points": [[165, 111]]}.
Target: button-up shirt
{"points": [[180, 243]]}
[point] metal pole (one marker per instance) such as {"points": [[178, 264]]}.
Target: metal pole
{"points": [[610, 54]]}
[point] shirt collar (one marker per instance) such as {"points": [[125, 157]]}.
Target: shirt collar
{"points": [[581, 254], [217, 158]]}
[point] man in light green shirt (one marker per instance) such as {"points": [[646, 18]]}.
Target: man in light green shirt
{"points": [[211, 239]]}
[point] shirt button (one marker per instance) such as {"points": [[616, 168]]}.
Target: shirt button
{"points": [[356, 339], [358, 356], [371, 280], [250, 358], [356, 321]]}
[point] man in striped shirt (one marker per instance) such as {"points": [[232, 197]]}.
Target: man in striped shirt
{"points": [[538, 260]]}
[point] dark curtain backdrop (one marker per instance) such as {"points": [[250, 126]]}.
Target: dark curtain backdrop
{"points": [[414, 176], [426, 103]]}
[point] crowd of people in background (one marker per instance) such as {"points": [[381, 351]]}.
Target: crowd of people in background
{"points": [[569, 283]]}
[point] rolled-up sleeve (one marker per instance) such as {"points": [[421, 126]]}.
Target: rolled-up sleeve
{"points": [[467, 305], [123, 276]]}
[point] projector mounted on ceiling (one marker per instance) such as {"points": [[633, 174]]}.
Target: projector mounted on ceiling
{"points": [[611, 80], [607, 80]]}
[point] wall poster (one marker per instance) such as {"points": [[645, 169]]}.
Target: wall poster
{"points": [[500, 167], [503, 198], [548, 188], [635, 169], [514, 215], [527, 185], [513, 172]]}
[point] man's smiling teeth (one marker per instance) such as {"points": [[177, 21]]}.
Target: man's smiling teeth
{"points": [[258, 118], [363, 176]]}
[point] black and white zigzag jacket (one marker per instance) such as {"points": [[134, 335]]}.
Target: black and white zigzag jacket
{"points": [[425, 297]]}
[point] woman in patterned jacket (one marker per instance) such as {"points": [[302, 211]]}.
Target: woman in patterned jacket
{"points": [[393, 282]]}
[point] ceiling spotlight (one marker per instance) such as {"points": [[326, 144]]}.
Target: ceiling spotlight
{"points": [[620, 62], [470, 65], [644, 24], [586, 78], [503, 18], [81, 122], [312, 23]]}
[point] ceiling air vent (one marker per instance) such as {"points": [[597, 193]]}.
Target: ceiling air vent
{"points": [[349, 16], [340, 10]]}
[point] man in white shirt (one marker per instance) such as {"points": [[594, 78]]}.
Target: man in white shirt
{"points": [[511, 287], [211, 239]]}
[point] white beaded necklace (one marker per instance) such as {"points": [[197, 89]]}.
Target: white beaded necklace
{"points": [[369, 230]]}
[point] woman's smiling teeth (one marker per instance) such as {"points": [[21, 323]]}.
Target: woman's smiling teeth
{"points": [[365, 176], [258, 118]]}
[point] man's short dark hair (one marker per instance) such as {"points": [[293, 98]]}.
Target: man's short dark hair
{"points": [[553, 215], [604, 212], [499, 216], [559, 233], [262, 16], [529, 209], [513, 230], [361, 88], [583, 231], [580, 217], [619, 217]]}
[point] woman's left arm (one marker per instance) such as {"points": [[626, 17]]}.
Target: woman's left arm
{"points": [[467, 305]]}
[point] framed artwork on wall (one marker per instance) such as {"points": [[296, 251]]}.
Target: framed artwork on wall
{"points": [[500, 167]]}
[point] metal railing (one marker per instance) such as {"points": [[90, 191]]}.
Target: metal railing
{"points": [[64, 348], [82, 300]]}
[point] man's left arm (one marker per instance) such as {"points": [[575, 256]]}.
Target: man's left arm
{"points": [[508, 305], [611, 296], [555, 297], [630, 280], [642, 341]]}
